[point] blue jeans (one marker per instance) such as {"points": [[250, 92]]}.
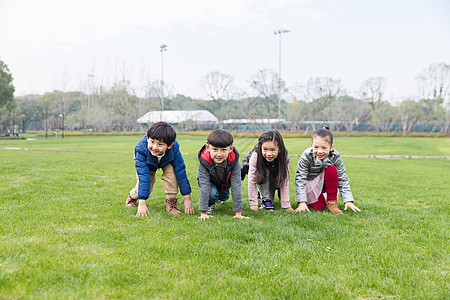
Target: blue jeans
{"points": [[216, 194]]}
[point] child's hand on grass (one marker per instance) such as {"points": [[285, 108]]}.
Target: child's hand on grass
{"points": [[302, 207], [254, 207], [142, 209], [351, 206], [204, 216], [289, 208], [188, 206], [240, 216]]}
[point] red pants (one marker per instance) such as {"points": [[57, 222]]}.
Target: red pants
{"points": [[330, 186]]}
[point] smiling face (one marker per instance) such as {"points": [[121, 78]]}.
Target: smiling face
{"points": [[321, 147], [218, 154], [157, 147], [270, 150]]}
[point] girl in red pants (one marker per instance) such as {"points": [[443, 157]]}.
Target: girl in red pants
{"points": [[321, 170]]}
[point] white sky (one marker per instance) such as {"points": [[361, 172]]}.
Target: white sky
{"points": [[55, 44]]}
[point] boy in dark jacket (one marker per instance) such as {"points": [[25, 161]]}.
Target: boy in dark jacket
{"points": [[218, 172], [159, 150]]}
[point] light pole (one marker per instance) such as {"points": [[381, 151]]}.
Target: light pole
{"points": [[13, 129], [46, 121], [62, 119], [279, 32], [162, 48], [86, 102]]}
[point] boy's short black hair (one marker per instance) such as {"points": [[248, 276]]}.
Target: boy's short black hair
{"points": [[163, 132], [220, 138]]}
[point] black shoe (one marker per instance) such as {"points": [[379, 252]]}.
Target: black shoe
{"points": [[210, 209], [266, 204]]}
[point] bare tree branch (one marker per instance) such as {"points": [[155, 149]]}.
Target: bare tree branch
{"points": [[372, 91]]}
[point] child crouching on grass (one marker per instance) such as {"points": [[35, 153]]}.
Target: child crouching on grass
{"points": [[218, 172], [321, 170], [158, 149], [268, 170]]}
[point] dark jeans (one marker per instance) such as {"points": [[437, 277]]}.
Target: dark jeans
{"points": [[216, 194]]}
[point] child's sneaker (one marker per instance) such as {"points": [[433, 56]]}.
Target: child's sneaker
{"points": [[130, 201], [210, 209], [333, 208], [266, 204]]}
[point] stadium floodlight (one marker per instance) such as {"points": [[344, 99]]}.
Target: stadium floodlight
{"points": [[162, 48], [279, 32]]}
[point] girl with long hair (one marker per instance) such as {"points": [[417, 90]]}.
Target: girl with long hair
{"points": [[268, 171]]}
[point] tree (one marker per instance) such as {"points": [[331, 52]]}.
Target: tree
{"points": [[5, 123], [6, 87], [48, 111], [434, 85], [297, 113], [159, 91], [323, 90], [434, 82], [410, 113], [346, 112], [217, 87], [384, 117], [266, 84], [120, 104], [72, 107], [30, 109], [372, 91], [247, 108], [433, 114]]}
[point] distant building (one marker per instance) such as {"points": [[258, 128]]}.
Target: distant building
{"points": [[180, 119], [252, 124]]}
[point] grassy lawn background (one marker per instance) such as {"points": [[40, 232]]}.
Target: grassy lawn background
{"points": [[65, 233], [191, 144]]}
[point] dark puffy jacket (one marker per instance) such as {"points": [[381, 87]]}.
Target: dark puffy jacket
{"points": [[146, 162], [245, 165], [220, 179], [208, 175]]}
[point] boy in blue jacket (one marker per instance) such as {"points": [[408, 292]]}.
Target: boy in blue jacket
{"points": [[158, 149]]}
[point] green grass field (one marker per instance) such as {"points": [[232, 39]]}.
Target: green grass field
{"points": [[66, 234]]}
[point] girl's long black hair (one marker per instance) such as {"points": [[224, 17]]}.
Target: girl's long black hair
{"points": [[276, 171]]}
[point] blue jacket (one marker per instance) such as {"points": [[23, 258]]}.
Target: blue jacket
{"points": [[146, 162]]}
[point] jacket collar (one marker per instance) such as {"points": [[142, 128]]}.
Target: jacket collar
{"points": [[168, 156], [205, 155]]}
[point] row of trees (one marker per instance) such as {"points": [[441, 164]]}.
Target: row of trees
{"points": [[323, 101]]}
